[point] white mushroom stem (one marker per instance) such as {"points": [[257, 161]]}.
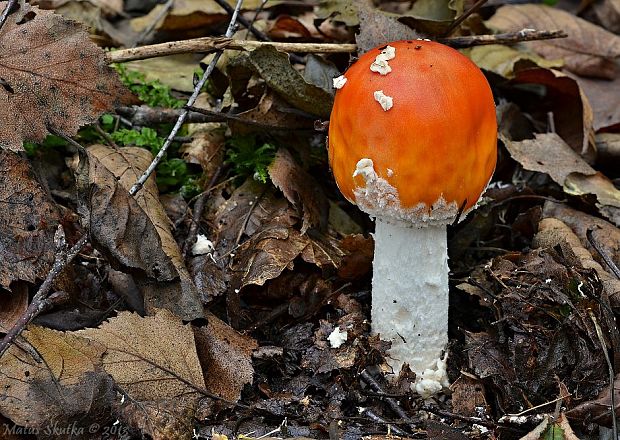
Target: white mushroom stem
{"points": [[410, 299]]}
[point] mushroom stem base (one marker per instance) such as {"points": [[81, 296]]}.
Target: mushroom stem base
{"points": [[410, 294]]}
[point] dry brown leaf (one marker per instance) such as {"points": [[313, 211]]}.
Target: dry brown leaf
{"points": [[58, 379], [28, 221], [52, 76], [608, 14], [598, 410], [552, 232], [300, 189], [154, 361], [226, 358], [549, 154], [589, 50], [12, 304], [605, 102], [134, 231], [571, 110]]}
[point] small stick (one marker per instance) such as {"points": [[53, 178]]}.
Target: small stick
{"points": [[210, 44], [39, 301], [378, 419], [456, 23], [606, 258], [6, 12], [149, 29], [612, 391], [376, 387], [185, 112]]}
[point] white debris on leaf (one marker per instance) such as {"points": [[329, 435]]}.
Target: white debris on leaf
{"points": [[380, 65], [339, 82], [386, 101], [337, 338], [202, 246], [432, 381]]}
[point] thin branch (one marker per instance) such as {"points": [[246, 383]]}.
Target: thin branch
{"points": [[183, 116], [39, 301], [7, 10], [244, 22], [210, 44], [604, 255], [456, 23], [612, 391], [151, 27]]}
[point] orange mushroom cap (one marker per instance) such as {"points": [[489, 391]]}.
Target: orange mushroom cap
{"points": [[433, 151]]}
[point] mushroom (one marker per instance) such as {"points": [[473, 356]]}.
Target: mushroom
{"points": [[414, 147]]}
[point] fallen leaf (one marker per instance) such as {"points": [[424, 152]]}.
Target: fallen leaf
{"points": [[589, 50], [28, 222], [13, 304], [559, 429], [570, 108], [174, 71], [300, 189], [378, 27], [608, 14], [134, 231], [226, 358], [549, 154], [502, 59], [286, 26], [338, 10], [320, 72], [59, 379], [154, 362], [605, 105], [54, 77], [437, 10], [275, 68]]}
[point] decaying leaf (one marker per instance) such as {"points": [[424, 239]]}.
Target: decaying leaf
{"points": [[300, 189], [378, 27], [558, 429], [134, 231], [568, 105], [12, 304], [588, 51], [567, 228], [28, 221], [339, 10], [226, 358], [154, 362], [605, 105], [549, 154], [59, 379], [275, 68], [502, 59], [52, 76]]}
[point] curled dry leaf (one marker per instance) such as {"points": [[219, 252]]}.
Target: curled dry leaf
{"points": [[13, 304], [300, 189], [275, 68], [605, 105], [28, 221], [569, 106], [378, 27], [226, 358], [53, 76], [589, 50], [549, 154], [134, 231], [59, 378], [153, 360], [554, 230], [502, 59]]}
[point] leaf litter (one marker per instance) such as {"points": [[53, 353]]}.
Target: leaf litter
{"points": [[267, 334]]}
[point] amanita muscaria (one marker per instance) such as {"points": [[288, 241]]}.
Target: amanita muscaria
{"points": [[412, 142]]}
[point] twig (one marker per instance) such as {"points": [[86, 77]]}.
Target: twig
{"points": [[456, 23], [146, 32], [192, 99], [604, 255], [378, 419], [39, 301], [6, 12], [376, 387], [244, 22], [507, 38], [210, 44], [612, 391]]}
